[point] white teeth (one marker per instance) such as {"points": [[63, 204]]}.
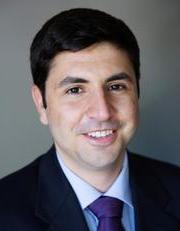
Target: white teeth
{"points": [[99, 134]]}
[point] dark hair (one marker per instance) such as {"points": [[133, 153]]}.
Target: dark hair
{"points": [[74, 30]]}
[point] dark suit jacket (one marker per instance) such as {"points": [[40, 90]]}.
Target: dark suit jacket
{"points": [[39, 197]]}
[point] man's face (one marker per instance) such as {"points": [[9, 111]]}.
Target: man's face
{"points": [[92, 106]]}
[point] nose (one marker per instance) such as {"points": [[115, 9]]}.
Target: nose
{"points": [[99, 107]]}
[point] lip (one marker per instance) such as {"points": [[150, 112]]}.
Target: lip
{"points": [[101, 141]]}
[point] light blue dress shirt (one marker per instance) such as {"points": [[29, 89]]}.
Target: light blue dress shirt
{"points": [[86, 194]]}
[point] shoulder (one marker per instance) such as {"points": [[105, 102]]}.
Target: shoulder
{"points": [[166, 173], [18, 193], [20, 188], [19, 183], [28, 174], [157, 165]]}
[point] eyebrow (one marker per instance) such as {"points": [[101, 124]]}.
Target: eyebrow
{"points": [[119, 76], [71, 80]]}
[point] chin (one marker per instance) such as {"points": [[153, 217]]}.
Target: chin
{"points": [[103, 160]]}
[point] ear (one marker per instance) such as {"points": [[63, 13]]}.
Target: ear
{"points": [[38, 101]]}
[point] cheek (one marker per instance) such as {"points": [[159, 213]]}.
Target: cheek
{"points": [[70, 113], [134, 112], [128, 108]]}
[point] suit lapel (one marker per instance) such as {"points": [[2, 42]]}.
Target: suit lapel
{"points": [[69, 217], [57, 204], [153, 204]]}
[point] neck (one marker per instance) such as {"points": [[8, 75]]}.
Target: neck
{"points": [[99, 178], [102, 181]]}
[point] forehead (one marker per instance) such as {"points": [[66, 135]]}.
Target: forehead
{"points": [[97, 60]]}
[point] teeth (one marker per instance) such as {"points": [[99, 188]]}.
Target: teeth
{"points": [[99, 134]]}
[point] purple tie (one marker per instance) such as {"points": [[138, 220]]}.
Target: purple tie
{"points": [[108, 210]]}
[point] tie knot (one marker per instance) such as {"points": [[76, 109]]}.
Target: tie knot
{"points": [[107, 207]]}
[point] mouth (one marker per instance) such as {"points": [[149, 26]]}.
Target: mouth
{"points": [[101, 137], [100, 134]]}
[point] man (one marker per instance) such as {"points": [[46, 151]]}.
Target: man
{"points": [[85, 67]]}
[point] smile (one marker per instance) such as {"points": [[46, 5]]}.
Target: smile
{"points": [[101, 138], [99, 134]]}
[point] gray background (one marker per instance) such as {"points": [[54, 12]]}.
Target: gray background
{"points": [[156, 24]]}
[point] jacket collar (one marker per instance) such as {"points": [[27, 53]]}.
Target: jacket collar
{"points": [[154, 206], [57, 204]]}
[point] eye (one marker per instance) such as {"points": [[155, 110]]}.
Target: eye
{"points": [[74, 91], [117, 87]]}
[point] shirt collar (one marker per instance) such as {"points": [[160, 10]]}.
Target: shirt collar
{"points": [[119, 189]]}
